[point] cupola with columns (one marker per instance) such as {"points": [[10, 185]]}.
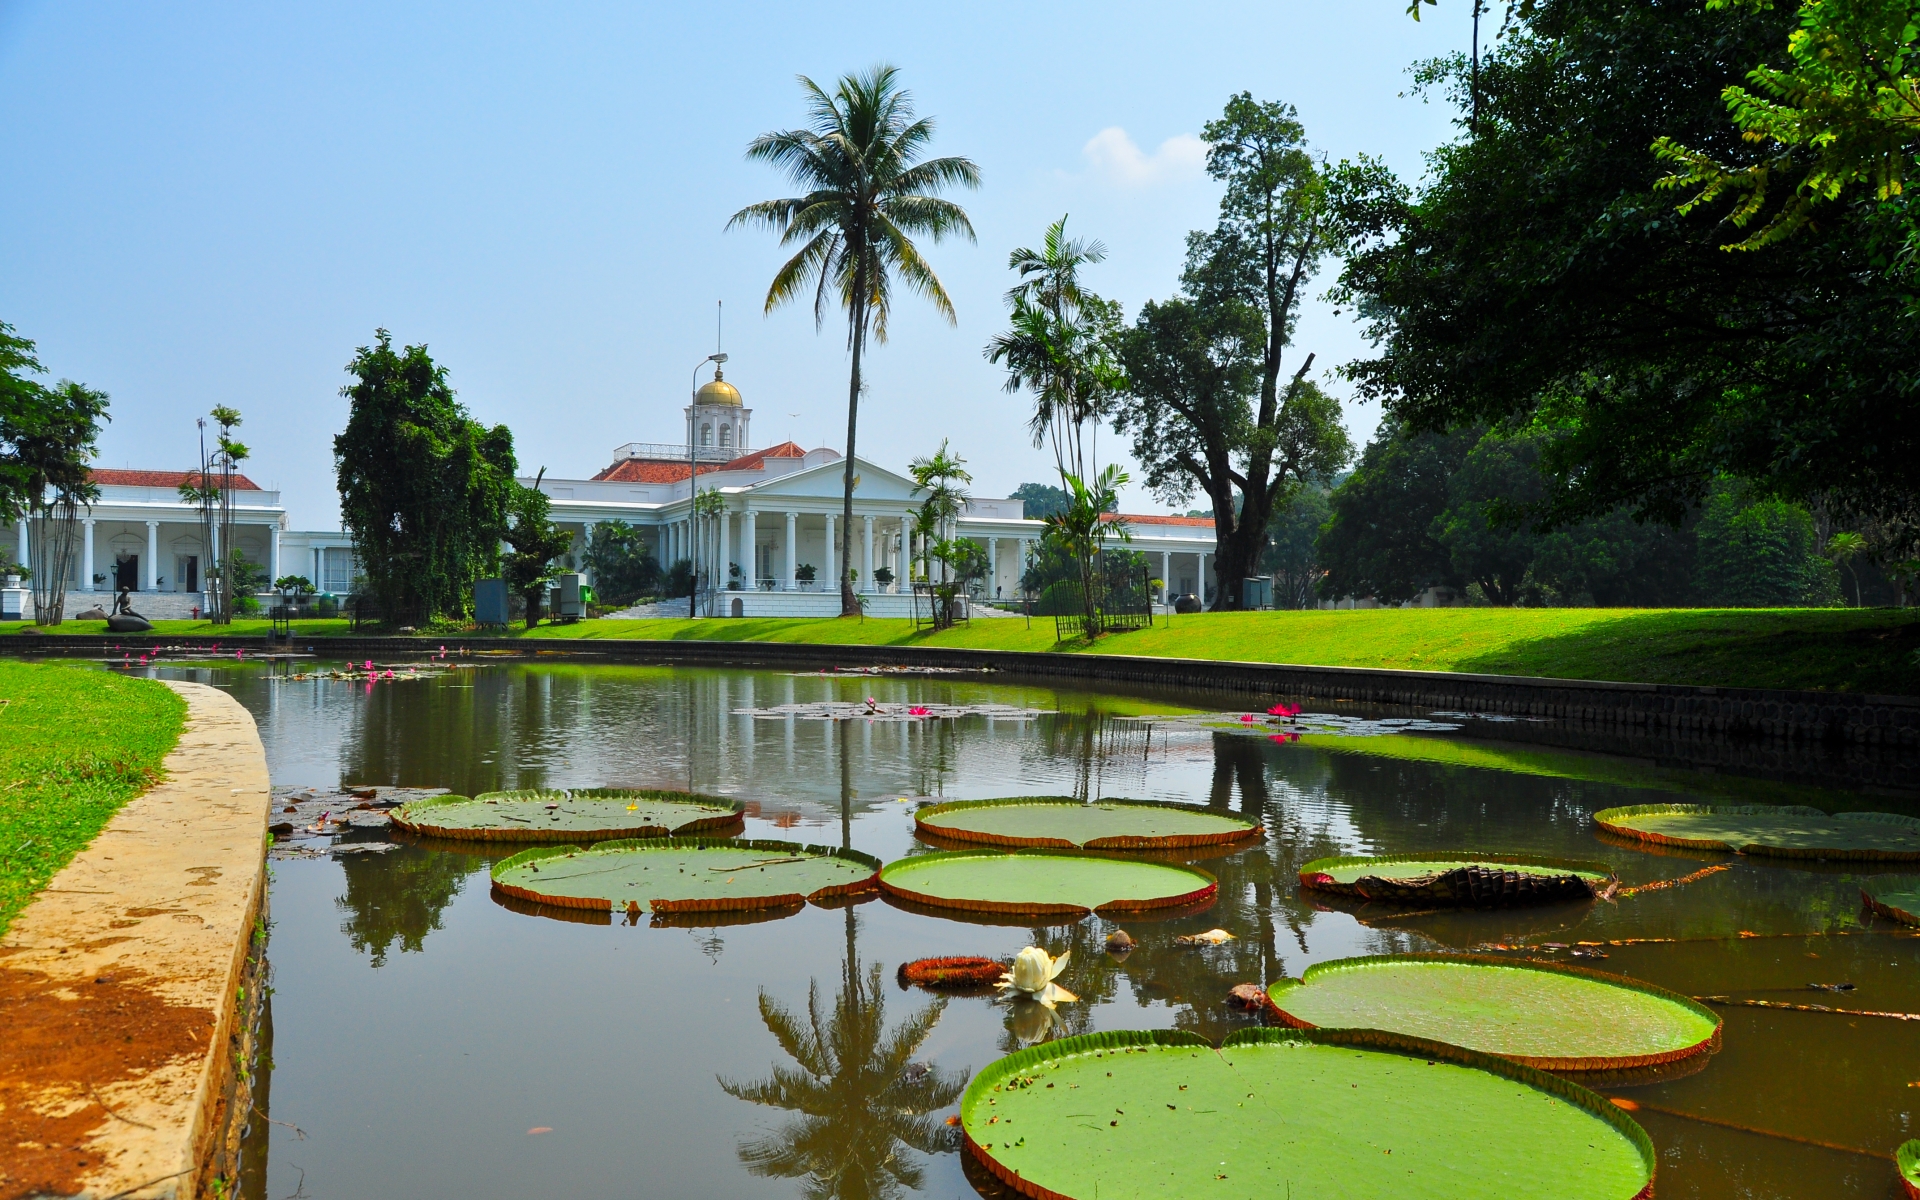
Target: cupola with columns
{"points": [[716, 420]]}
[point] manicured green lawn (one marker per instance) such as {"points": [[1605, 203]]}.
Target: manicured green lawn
{"points": [[76, 743], [1871, 650]]}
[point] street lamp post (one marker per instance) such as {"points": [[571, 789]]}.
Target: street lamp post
{"points": [[693, 481]]}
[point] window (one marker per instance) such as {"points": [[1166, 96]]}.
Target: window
{"points": [[706, 435], [726, 436]]}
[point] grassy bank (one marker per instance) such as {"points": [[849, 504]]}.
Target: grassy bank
{"points": [[1872, 650], [75, 745]]}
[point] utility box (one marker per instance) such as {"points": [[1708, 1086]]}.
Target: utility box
{"points": [[13, 604], [1256, 591], [567, 602], [490, 602]]}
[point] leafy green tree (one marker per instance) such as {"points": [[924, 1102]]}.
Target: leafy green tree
{"points": [[1539, 272], [1291, 557], [1759, 553], [1206, 407], [622, 565], [943, 476], [1380, 539], [866, 196], [536, 542], [48, 449], [1845, 114], [23, 403], [424, 488]]}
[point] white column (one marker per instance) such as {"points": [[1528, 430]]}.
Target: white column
{"points": [[153, 556], [1201, 582], [866, 568], [586, 543], [86, 560], [792, 523], [749, 544], [905, 572], [273, 554], [1166, 576], [993, 567], [833, 558], [722, 576], [24, 551]]}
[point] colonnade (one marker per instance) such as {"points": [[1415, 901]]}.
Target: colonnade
{"points": [[150, 561], [880, 541]]}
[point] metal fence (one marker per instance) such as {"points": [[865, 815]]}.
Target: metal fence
{"points": [[1122, 600]]}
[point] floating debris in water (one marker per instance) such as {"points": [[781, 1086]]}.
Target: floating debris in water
{"points": [[1296, 722], [1212, 937]]}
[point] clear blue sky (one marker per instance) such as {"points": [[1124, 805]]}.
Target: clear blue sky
{"points": [[215, 204]]}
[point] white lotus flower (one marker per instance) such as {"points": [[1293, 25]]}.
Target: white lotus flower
{"points": [[1033, 975]]}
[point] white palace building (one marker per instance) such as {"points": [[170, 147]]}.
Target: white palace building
{"points": [[781, 508]]}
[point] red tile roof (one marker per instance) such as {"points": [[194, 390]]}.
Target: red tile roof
{"points": [[649, 470], [1199, 522], [663, 470], [161, 479], [756, 460]]}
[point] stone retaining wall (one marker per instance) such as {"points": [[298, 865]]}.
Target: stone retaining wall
{"points": [[1665, 709]]}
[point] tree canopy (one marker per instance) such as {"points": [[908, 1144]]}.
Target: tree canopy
{"points": [[1542, 275], [424, 488], [1205, 404]]}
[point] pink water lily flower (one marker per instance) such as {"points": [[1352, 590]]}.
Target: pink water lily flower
{"points": [[1284, 710], [1247, 719], [919, 710]]}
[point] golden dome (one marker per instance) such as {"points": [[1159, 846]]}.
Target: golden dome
{"points": [[718, 392]]}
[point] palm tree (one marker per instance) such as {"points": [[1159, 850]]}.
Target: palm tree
{"points": [[1843, 548], [1058, 343], [866, 194]]}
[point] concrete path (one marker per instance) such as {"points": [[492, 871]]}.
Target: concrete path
{"points": [[120, 985]]}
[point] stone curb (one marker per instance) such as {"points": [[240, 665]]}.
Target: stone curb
{"points": [[141, 944]]}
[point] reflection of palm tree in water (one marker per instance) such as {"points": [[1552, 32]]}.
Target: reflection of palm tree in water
{"points": [[861, 1099]]}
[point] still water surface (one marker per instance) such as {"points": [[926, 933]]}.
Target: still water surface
{"points": [[420, 1029]]}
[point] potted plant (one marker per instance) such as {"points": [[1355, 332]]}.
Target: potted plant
{"points": [[805, 573], [883, 576]]}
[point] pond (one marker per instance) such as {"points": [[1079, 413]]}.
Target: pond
{"points": [[428, 1040]]}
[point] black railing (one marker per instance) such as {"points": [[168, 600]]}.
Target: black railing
{"points": [[1122, 600]]}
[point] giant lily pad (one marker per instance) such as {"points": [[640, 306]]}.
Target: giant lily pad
{"points": [[1044, 883], [683, 875], [1893, 896], [1780, 831], [1067, 824], [1458, 878], [568, 816], [1541, 1014], [1128, 1115], [1907, 1160]]}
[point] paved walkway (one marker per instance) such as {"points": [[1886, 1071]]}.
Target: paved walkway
{"points": [[120, 983]]}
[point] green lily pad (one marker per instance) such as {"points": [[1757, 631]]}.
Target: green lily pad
{"points": [[683, 875], [1781, 831], [1907, 1159], [1044, 883], [1459, 878], [1064, 823], [1131, 1115], [1893, 896], [1541, 1014], [585, 815]]}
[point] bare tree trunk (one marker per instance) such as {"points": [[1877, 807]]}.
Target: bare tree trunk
{"points": [[849, 603]]}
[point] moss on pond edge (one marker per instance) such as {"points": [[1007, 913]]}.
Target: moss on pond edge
{"points": [[76, 743]]}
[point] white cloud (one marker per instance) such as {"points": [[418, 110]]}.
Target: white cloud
{"points": [[1114, 154]]}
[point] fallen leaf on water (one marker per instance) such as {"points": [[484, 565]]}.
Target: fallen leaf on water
{"points": [[1212, 937], [539, 1129]]}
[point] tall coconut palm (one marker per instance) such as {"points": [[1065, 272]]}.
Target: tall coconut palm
{"points": [[866, 195]]}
